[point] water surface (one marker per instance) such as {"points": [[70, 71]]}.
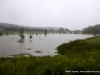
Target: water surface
{"points": [[46, 44]]}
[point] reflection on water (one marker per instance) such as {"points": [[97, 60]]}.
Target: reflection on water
{"points": [[46, 44]]}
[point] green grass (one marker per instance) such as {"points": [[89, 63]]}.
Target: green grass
{"points": [[95, 40], [87, 45], [50, 65]]}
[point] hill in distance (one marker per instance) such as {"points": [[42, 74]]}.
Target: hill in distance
{"points": [[5, 25]]}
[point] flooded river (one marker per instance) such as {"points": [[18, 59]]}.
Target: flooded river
{"points": [[46, 44]]}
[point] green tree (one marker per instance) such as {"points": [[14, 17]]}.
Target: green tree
{"points": [[1, 33], [6, 33], [95, 30], [61, 30], [21, 33], [30, 36], [45, 31], [36, 33]]}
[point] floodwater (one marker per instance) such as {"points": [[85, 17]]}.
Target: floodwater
{"points": [[46, 44]]}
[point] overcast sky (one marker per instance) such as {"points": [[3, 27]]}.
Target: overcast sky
{"points": [[71, 14]]}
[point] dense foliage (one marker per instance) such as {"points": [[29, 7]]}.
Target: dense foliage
{"points": [[71, 46], [92, 30], [0, 33], [15, 28], [47, 65], [78, 46]]}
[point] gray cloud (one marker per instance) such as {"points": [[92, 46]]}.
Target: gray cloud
{"points": [[72, 14]]}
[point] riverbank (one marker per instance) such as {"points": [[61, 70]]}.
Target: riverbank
{"points": [[78, 55]]}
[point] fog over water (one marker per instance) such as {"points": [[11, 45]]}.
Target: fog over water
{"points": [[71, 14]]}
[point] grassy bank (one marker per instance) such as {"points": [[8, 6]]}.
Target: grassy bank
{"points": [[94, 40], [56, 65], [78, 55]]}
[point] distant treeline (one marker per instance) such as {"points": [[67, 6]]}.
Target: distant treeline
{"points": [[95, 30], [15, 29]]}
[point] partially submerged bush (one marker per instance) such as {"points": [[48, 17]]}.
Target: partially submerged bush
{"points": [[21, 40], [28, 49], [37, 51], [1, 33]]}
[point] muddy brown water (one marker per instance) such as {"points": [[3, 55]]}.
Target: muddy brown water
{"points": [[46, 44]]}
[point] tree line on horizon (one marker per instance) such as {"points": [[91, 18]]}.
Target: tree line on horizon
{"points": [[51, 30], [95, 30]]}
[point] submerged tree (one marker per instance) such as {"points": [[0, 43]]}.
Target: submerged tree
{"points": [[61, 30], [30, 36], [45, 31], [1, 33], [36, 33], [6, 33], [21, 33]]}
